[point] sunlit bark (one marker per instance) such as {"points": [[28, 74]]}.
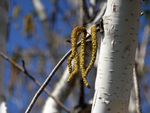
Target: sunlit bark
{"points": [[116, 59]]}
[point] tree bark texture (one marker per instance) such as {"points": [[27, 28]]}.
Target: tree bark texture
{"points": [[117, 57]]}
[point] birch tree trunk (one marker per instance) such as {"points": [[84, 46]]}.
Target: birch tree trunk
{"points": [[117, 57]]}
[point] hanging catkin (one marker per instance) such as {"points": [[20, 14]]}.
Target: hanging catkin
{"points": [[79, 59]]}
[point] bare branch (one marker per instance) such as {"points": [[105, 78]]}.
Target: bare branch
{"points": [[46, 82], [49, 78], [24, 70]]}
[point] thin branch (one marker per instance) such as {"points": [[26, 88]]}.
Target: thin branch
{"points": [[49, 78], [85, 9], [99, 15], [24, 67], [46, 82], [24, 70]]}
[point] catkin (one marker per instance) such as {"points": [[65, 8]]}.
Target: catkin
{"points": [[94, 49], [85, 71], [79, 61], [29, 24], [74, 54]]}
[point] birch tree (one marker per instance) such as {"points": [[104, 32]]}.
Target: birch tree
{"points": [[116, 59]]}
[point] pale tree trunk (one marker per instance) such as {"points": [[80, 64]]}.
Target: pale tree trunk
{"points": [[117, 56], [61, 92], [3, 36], [39, 9], [3, 108]]}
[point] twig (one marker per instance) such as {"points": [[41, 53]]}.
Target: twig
{"points": [[24, 70], [48, 79], [46, 82], [24, 67]]}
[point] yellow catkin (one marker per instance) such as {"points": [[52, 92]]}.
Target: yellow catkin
{"points": [[74, 54], [79, 61], [82, 60], [16, 11], [29, 24], [94, 48], [76, 65], [85, 71]]}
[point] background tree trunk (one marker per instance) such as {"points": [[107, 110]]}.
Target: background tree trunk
{"points": [[61, 92], [117, 56]]}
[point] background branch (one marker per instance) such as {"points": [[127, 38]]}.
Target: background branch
{"points": [[24, 70]]}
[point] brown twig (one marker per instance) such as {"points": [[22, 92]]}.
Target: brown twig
{"points": [[24, 70]]}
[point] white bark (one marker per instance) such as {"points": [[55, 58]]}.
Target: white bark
{"points": [[61, 92], [3, 108], [40, 9], [116, 59]]}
